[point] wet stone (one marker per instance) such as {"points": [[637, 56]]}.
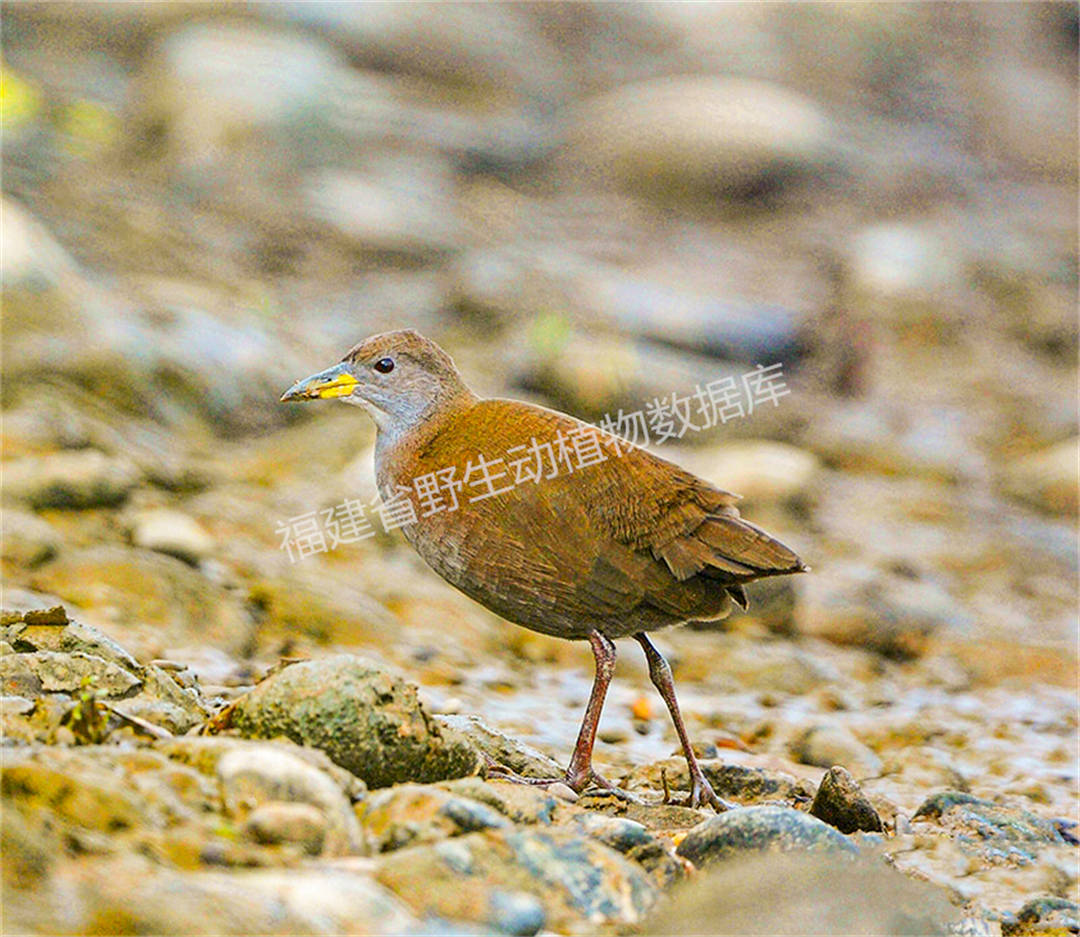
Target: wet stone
{"points": [[754, 829], [367, 720], [841, 803]]}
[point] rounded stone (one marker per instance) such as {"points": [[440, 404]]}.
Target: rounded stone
{"points": [[367, 720], [756, 829]]}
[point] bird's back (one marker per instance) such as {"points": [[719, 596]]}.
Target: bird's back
{"points": [[606, 536]]}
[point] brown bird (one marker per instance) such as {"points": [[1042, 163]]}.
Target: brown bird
{"points": [[549, 522]]}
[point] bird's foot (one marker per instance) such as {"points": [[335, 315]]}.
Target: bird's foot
{"points": [[702, 795], [578, 781]]}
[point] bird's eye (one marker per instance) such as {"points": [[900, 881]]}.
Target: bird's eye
{"points": [[384, 365]]}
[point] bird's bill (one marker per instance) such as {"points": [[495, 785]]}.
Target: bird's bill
{"points": [[333, 382]]}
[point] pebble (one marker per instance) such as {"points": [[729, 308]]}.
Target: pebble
{"points": [[753, 829], [841, 803]]}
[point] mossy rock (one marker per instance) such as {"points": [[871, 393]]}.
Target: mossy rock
{"points": [[367, 720]]}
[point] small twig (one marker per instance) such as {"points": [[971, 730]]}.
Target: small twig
{"points": [[142, 725], [667, 790]]}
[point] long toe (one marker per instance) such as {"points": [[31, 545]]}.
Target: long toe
{"points": [[702, 795]]}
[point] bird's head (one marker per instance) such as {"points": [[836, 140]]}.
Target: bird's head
{"points": [[400, 378]]}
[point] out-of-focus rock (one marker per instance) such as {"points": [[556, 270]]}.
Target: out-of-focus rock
{"points": [[774, 667], [32, 260], [276, 822], [580, 883], [398, 202], [597, 376], [900, 263], [841, 803], [759, 470], [205, 752], [149, 589], [1047, 479], [28, 540], [252, 777], [1043, 916], [635, 304], [501, 748], [136, 895], [79, 479], [1028, 114], [411, 814], [171, 532], [449, 43], [867, 607], [754, 829], [684, 135], [213, 86], [310, 603], [799, 893], [364, 718], [828, 745], [726, 327]]}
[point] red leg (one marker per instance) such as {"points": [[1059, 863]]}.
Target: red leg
{"points": [[701, 791], [580, 774]]}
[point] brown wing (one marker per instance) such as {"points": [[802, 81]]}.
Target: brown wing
{"points": [[631, 530]]}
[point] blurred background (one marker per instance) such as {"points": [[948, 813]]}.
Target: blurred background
{"points": [[588, 206]]}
